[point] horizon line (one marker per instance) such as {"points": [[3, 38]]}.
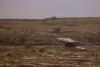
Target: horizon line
{"points": [[45, 18]]}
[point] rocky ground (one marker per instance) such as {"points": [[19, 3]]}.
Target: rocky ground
{"points": [[50, 56], [33, 43]]}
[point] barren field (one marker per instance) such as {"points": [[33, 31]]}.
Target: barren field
{"points": [[33, 43]]}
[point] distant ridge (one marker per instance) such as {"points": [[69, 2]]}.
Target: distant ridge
{"points": [[58, 18], [70, 19]]}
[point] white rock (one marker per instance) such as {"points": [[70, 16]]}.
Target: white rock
{"points": [[82, 48]]}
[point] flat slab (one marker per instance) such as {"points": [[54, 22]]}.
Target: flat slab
{"points": [[66, 39]]}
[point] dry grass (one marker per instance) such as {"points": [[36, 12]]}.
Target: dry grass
{"points": [[22, 35]]}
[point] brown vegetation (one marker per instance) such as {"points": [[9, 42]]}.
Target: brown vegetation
{"points": [[21, 41]]}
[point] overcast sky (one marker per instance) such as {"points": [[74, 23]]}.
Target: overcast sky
{"points": [[32, 9]]}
